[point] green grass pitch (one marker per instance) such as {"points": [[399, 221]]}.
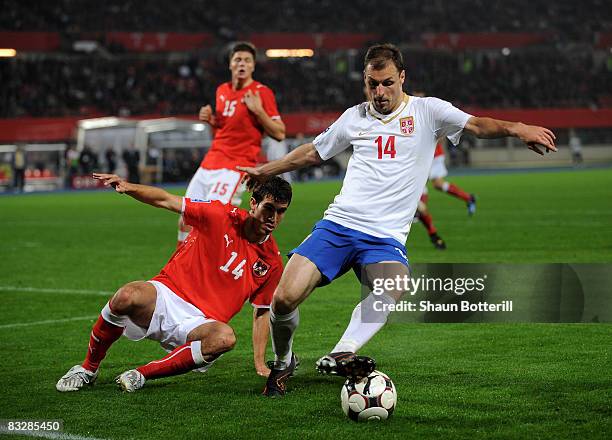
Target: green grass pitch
{"points": [[453, 380]]}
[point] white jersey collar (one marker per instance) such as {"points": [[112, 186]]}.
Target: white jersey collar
{"points": [[385, 119]]}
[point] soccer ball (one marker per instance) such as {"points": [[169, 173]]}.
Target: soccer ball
{"points": [[371, 398]]}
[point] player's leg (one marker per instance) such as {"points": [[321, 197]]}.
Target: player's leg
{"points": [[426, 219], [300, 277], [443, 185], [378, 262], [134, 301], [371, 314], [204, 345]]}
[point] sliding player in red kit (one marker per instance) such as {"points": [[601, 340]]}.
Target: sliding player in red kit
{"points": [[245, 111], [229, 258]]}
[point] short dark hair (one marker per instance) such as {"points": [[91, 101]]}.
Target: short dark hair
{"points": [[276, 187], [380, 54], [243, 46]]}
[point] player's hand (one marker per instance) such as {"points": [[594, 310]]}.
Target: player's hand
{"points": [[253, 177], [206, 115], [120, 185], [537, 138], [262, 370], [253, 102]]}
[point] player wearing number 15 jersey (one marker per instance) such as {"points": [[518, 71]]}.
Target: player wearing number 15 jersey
{"points": [[393, 137], [229, 258], [245, 111]]}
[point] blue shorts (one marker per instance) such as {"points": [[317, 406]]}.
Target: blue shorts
{"points": [[335, 249]]}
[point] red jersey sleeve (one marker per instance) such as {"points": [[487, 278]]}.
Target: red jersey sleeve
{"points": [[262, 297], [269, 102], [200, 213]]}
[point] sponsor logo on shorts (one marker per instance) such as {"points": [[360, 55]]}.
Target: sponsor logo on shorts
{"points": [[260, 268], [407, 125], [200, 201]]}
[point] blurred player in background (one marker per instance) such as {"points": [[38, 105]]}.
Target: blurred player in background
{"points": [[439, 172], [245, 110], [393, 136], [423, 214], [229, 258]]}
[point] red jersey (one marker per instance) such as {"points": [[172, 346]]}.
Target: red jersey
{"points": [[218, 269], [238, 134], [439, 150]]}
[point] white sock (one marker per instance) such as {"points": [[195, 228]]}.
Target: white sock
{"points": [[366, 321], [445, 186], [202, 365], [282, 328], [109, 316]]}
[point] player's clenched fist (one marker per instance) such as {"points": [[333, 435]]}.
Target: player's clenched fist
{"points": [[206, 115]]}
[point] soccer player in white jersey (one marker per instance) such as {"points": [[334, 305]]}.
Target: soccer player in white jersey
{"points": [[393, 136]]}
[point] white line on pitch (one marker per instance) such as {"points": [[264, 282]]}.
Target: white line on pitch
{"points": [[51, 435], [45, 290], [49, 321]]}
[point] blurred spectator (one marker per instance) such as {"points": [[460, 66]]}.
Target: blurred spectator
{"points": [[111, 160], [72, 164], [276, 150], [88, 161], [131, 157], [575, 145], [19, 167]]}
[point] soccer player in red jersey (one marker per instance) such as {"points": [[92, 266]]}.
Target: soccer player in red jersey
{"points": [[228, 258], [245, 110], [439, 172]]}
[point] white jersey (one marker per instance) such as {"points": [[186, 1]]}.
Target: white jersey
{"points": [[392, 156]]}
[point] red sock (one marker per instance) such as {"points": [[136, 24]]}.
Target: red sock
{"points": [[178, 361], [454, 190], [428, 223], [102, 337]]}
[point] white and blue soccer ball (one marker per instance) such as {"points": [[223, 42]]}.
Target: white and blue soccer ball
{"points": [[371, 398]]}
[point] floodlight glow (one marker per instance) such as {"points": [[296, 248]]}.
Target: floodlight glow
{"points": [[289, 53], [8, 53]]}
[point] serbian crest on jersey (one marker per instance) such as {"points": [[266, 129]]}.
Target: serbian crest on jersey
{"points": [[407, 125], [260, 268]]}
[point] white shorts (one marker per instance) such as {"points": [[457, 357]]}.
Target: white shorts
{"points": [[223, 185], [438, 168], [171, 322]]}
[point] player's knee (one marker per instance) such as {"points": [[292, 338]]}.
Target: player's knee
{"points": [[283, 303], [225, 339], [124, 301]]}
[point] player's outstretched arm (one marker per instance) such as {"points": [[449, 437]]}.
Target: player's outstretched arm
{"points": [[147, 194], [532, 135], [261, 334], [303, 156]]}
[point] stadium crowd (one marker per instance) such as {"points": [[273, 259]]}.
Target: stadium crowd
{"points": [[86, 85], [395, 20]]}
